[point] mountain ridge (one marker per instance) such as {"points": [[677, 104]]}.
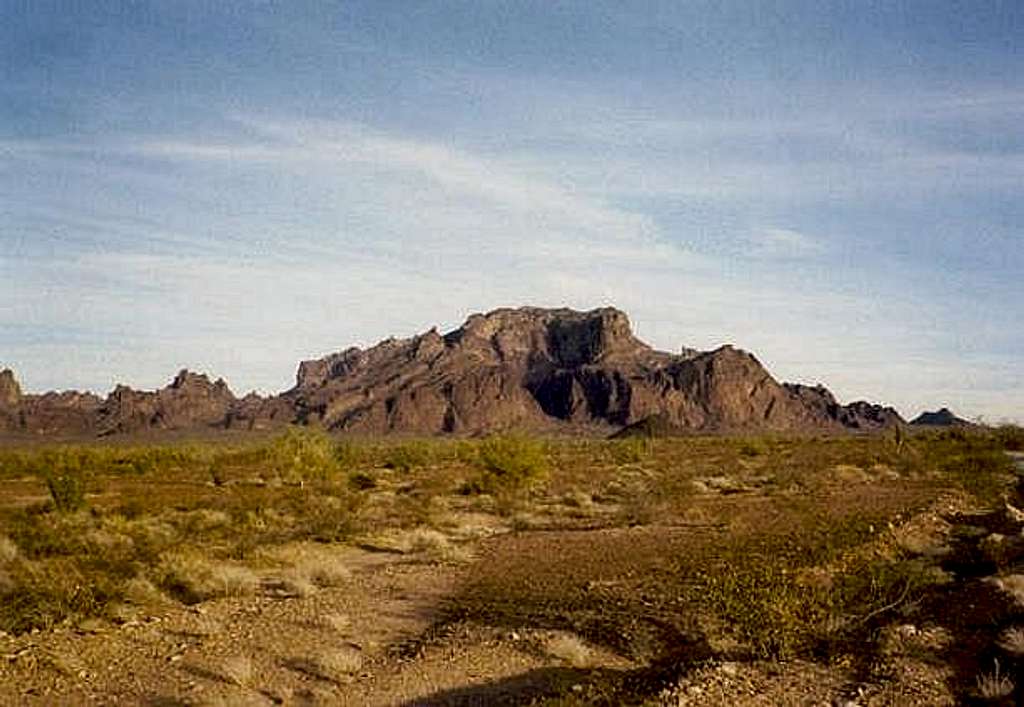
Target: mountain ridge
{"points": [[528, 367]]}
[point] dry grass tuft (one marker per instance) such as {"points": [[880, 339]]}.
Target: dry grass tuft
{"points": [[193, 578], [335, 665], [141, 592], [431, 544], [237, 670], [316, 563], [994, 685], [340, 623], [436, 546], [8, 550], [294, 582], [568, 648]]}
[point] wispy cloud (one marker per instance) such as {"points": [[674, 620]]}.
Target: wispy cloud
{"points": [[783, 243]]}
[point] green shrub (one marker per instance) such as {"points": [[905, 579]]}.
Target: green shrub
{"points": [[751, 448], [362, 481], [408, 455], [348, 454], [303, 453], [632, 450], [981, 469], [67, 492], [1010, 437], [511, 462]]}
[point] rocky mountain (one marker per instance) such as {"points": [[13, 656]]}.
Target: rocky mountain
{"points": [[524, 368]]}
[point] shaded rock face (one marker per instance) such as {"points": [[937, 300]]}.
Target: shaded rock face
{"points": [[525, 368], [858, 415], [940, 418]]}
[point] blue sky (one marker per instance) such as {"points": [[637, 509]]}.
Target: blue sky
{"points": [[233, 187]]}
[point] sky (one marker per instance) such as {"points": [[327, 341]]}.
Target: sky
{"points": [[232, 187]]}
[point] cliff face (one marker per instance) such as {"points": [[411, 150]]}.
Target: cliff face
{"points": [[528, 367]]}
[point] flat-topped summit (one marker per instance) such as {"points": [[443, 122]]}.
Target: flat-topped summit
{"points": [[528, 368]]}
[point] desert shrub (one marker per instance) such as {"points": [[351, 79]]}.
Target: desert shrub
{"points": [[762, 605], [751, 448], [303, 453], [41, 594], [511, 462], [335, 665], [349, 454], [148, 460], [408, 455], [193, 578], [977, 464], [631, 450], [362, 481], [1010, 437], [67, 491], [819, 588]]}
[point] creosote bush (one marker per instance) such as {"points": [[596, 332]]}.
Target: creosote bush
{"points": [[631, 450], [303, 454], [409, 455], [67, 491], [511, 462]]}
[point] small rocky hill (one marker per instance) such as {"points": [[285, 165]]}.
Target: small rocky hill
{"points": [[524, 368], [943, 417]]}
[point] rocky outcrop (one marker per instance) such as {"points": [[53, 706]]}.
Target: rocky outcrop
{"points": [[257, 413], [525, 368], [10, 391], [68, 413], [190, 401], [860, 415]]}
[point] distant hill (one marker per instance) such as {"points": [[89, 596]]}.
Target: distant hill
{"points": [[531, 368], [940, 418]]}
